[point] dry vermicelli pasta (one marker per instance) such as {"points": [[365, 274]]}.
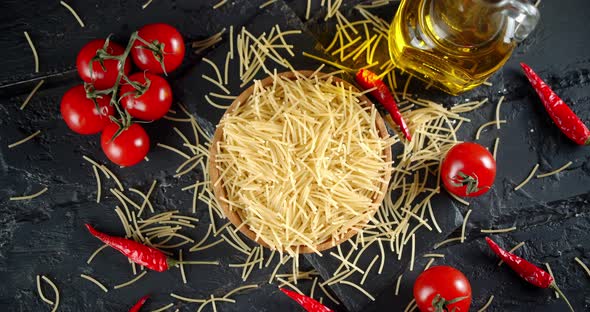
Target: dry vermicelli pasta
{"points": [[219, 4], [76, 16], [506, 230], [19, 142], [27, 197], [488, 303], [36, 58], [556, 171], [30, 96], [55, 291], [40, 291], [583, 265], [95, 281], [528, 178], [309, 157], [135, 279]]}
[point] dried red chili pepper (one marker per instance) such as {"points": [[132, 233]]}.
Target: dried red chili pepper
{"points": [[309, 304], [368, 80], [136, 307], [526, 270], [149, 257], [567, 121]]}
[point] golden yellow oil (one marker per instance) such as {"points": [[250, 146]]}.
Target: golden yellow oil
{"points": [[453, 44]]}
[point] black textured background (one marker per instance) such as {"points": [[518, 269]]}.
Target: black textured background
{"points": [[45, 235]]}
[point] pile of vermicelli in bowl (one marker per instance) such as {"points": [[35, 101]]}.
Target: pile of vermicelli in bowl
{"points": [[300, 162]]}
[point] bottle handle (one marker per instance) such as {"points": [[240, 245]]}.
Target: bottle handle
{"points": [[525, 16]]}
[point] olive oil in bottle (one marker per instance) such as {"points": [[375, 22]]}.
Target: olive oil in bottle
{"points": [[457, 44]]}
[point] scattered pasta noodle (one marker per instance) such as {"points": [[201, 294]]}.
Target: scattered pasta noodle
{"points": [[94, 281], [30, 96], [207, 43], [55, 302], [28, 197], [35, 56], [76, 16], [528, 178], [584, 267], [19, 142], [556, 171], [487, 304]]}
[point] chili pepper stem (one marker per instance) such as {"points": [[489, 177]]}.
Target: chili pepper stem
{"points": [[171, 262], [554, 287]]}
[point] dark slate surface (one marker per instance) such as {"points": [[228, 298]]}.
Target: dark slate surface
{"points": [[44, 236]]}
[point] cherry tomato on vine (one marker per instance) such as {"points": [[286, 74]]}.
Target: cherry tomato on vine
{"points": [[128, 148], [168, 44], [468, 169], [81, 114], [442, 288], [152, 101], [101, 78]]}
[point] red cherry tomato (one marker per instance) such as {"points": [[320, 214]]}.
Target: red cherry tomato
{"points": [[128, 148], [448, 283], [153, 103], [468, 169], [164, 36], [99, 77], [81, 114]]}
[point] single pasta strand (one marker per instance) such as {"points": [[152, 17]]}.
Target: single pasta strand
{"points": [[35, 89], [486, 306], [492, 231], [219, 4], [131, 281], [368, 269], [498, 111], [446, 241], [40, 291], [181, 265], [464, 224], [496, 143], [429, 264], [241, 288], [177, 151], [95, 281], [397, 283], [328, 294], [55, 291], [308, 10], [433, 255], [96, 252], [267, 3], [27, 197], [145, 5], [173, 295], [556, 171], [528, 178], [364, 292], [67, 6], [413, 252], [582, 265], [98, 185], [19, 142], [480, 129], [168, 306], [36, 58], [512, 250]]}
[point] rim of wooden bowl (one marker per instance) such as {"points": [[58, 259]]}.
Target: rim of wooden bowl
{"points": [[220, 192]]}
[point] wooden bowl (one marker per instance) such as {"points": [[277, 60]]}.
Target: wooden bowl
{"points": [[220, 191]]}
